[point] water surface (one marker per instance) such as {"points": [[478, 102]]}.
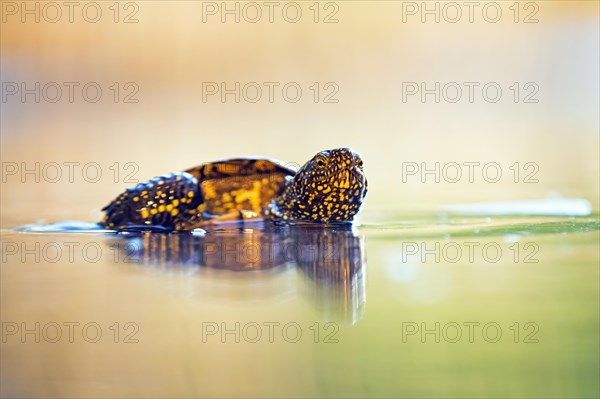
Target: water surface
{"points": [[483, 306]]}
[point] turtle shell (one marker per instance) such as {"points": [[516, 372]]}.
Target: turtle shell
{"points": [[239, 184], [181, 200]]}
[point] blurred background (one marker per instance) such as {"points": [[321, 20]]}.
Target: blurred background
{"points": [[363, 56], [154, 91]]}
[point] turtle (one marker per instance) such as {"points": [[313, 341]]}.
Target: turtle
{"points": [[328, 189]]}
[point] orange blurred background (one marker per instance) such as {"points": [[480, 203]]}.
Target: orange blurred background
{"points": [[367, 55]]}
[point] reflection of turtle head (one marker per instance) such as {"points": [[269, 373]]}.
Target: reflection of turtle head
{"points": [[329, 188], [334, 261]]}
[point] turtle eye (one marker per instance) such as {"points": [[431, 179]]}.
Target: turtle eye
{"points": [[321, 161], [359, 163]]}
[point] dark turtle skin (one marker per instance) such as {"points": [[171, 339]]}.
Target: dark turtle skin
{"points": [[329, 188]]}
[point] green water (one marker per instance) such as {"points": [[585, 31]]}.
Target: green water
{"points": [[427, 305]]}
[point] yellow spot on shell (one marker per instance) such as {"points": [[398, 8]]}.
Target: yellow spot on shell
{"points": [[136, 199], [153, 211], [161, 208], [208, 190], [227, 168], [264, 166], [175, 203], [174, 212], [169, 208], [144, 213], [252, 195], [190, 194]]}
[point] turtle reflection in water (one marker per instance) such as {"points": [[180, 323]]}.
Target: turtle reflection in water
{"points": [[331, 258], [329, 188]]}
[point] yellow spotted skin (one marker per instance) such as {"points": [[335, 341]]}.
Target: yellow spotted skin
{"points": [[329, 188], [161, 202]]}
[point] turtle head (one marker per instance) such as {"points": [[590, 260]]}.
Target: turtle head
{"points": [[329, 188]]}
